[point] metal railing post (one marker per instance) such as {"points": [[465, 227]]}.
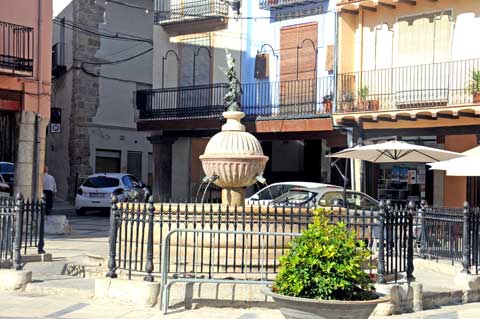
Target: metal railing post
{"points": [[410, 267], [112, 239], [381, 248], [149, 263], [19, 208], [423, 239], [41, 232], [466, 239]]}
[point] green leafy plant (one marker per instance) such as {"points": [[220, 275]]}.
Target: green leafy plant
{"points": [[363, 93], [474, 84], [325, 262]]}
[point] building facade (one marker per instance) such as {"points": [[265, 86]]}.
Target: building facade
{"points": [[284, 51], [25, 84], [408, 70], [101, 56]]}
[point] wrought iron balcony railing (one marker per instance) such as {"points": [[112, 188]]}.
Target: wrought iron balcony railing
{"points": [[282, 99], [176, 11], [278, 4], [420, 86], [16, 49]]}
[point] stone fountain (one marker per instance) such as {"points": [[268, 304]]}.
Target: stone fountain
{"points": [[233, 158]]}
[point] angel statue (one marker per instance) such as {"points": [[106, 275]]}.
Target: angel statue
{"points": [[234, 95]]}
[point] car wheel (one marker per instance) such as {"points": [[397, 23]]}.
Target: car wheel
{"points": [[81, 212]]}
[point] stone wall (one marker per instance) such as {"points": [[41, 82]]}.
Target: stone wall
{"points": [[85, 88]]}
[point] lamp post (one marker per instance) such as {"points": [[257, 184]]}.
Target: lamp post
{"points": [[316, 54]]}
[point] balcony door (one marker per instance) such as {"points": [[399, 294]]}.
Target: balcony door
{"points": [[297, 69], [423, 50], [195, 74]]}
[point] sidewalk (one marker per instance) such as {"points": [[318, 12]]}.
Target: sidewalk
{"points": [[23, 305]]}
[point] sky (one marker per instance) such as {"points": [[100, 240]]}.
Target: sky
{"points": [[59, 5]]}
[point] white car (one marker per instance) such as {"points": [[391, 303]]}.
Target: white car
{"points": [[267, 194], [4, 188], [96, 190]]}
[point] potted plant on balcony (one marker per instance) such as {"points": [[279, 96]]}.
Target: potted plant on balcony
{"points": [[474, 86], [362, 98], [327, 103], [321, 276], [346, 101]]}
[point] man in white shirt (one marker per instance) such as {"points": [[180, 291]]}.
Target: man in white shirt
{"points": [[49, 189]]}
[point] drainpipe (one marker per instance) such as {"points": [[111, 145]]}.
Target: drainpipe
{"points": [[335, 62], [36, 142]]}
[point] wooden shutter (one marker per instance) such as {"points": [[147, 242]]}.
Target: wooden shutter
{"points": [[298, 83]]}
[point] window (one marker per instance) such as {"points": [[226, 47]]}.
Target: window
{"points": [[360, 201], [101, 182], [131, 181], [331, 199], [270, 192], [107, 161]]}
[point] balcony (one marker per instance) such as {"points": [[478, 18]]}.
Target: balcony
{"points": [[280, 4], [16, 49], [58, 59], [437, 85], [300, 99], [178, 17]]}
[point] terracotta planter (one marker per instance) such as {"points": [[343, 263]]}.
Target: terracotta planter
{"points": [[362, 106], [476, 97], [373, 105], [327, 106], [300, 308]]}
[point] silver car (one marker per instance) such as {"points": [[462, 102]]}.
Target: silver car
{"points": [[326, 196]]}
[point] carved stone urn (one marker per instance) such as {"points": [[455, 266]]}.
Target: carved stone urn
{"points": [[234, 158]]}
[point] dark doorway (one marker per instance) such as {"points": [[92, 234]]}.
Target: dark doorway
{"points": [[8, 136]]}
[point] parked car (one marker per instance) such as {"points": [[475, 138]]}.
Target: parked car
{"points": [[326, 196], [7, 171], [267, 194], [96, 190], [5, 190]]}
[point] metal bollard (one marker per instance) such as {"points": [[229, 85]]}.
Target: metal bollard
{"points": [[41, 235], [381, 248], [112, 239], [19, 207], [466, 239], [149, 263]]}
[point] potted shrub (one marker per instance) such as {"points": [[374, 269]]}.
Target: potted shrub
{"points": [[362, 98], [327, 103], [474, 86], [321, 275]]}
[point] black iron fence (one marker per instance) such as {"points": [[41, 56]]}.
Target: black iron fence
{"points": [[188, 10], [296, 98], [228, 240], [22, 225], [451, 234], [419, 86], [16, 48]]}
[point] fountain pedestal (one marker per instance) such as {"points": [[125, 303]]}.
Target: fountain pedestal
{"points": [[233, 196]]}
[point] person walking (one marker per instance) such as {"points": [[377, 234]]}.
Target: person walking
{"points": [[49, 189]]}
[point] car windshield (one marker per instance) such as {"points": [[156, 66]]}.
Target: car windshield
{"points": [[101, 182], [295, 197], [7, 167]]}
